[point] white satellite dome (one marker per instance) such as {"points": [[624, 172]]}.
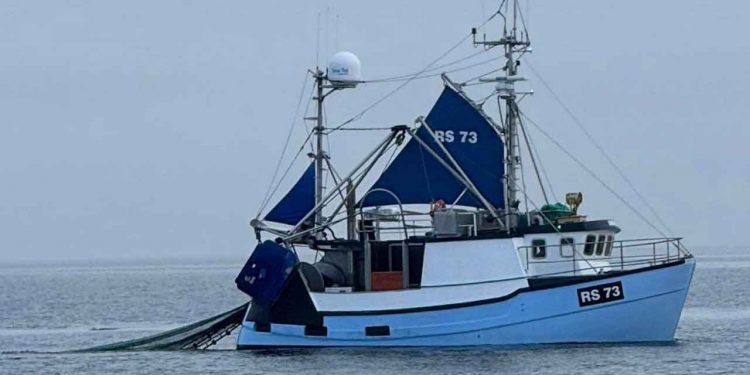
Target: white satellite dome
{"points": [[344, 68]]}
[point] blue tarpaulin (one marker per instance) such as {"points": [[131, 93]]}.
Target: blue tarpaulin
{"points": [[265, 273], [415, 176], [297, 202]]}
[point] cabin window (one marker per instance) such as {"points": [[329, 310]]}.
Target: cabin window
{"points": [[538, 248], [567, 247], [590, 243], [600, 244], [610, 243]]}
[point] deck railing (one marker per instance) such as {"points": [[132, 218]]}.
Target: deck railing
{"points": [[618, 255]]}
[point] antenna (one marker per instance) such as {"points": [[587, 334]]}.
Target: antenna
{"points": [[328, 31], [336, 33], [317, 45]]}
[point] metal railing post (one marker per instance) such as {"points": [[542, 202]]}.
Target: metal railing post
{"points": [[527, 259], [653, 247], [622, 258]]}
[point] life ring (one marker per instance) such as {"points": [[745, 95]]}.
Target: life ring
{"points": [[436, 205]]}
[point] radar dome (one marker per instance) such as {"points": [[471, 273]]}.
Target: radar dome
{"points": [[344, 69]]}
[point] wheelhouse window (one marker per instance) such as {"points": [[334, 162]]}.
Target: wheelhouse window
{"points": [[600, 242], [539, 248], [567, 247], [590, 244], [610, 243]]}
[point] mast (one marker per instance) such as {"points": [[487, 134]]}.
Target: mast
{"points": [[319, 153], [343, 72], [515, 44]]}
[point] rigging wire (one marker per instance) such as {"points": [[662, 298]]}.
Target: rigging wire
{"points": [[466, 83], [592, 174], [390, 158], [523, 181], [598, 147], [310, 133], [474, 65], [523, 21], [406, 82], [531, 156], [401, 77], [365, 129], [541, 167], [268, 194]]}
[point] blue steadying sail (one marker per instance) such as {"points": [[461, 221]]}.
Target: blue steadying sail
{"points": [[415, 176], [297, 202]]}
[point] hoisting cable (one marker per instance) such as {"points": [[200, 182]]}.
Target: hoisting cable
{"points": [[598, 147], [532, 149], [542, 169], [531, 154], [539, 158], [592, 173]]}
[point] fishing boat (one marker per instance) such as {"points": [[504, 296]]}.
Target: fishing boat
{"points": [[446, 247]]}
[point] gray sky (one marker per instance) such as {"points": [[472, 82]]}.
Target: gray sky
{"points": [[150, 129]]}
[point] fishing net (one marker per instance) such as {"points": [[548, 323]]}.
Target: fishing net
{"points": [[199, 335]]}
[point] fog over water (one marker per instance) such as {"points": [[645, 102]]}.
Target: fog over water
{"points": [[146, 129]]}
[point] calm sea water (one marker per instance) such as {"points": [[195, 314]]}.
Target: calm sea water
{"points": [[46, 309]]}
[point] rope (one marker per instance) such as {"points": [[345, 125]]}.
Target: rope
{"points": [[598, 147]]}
